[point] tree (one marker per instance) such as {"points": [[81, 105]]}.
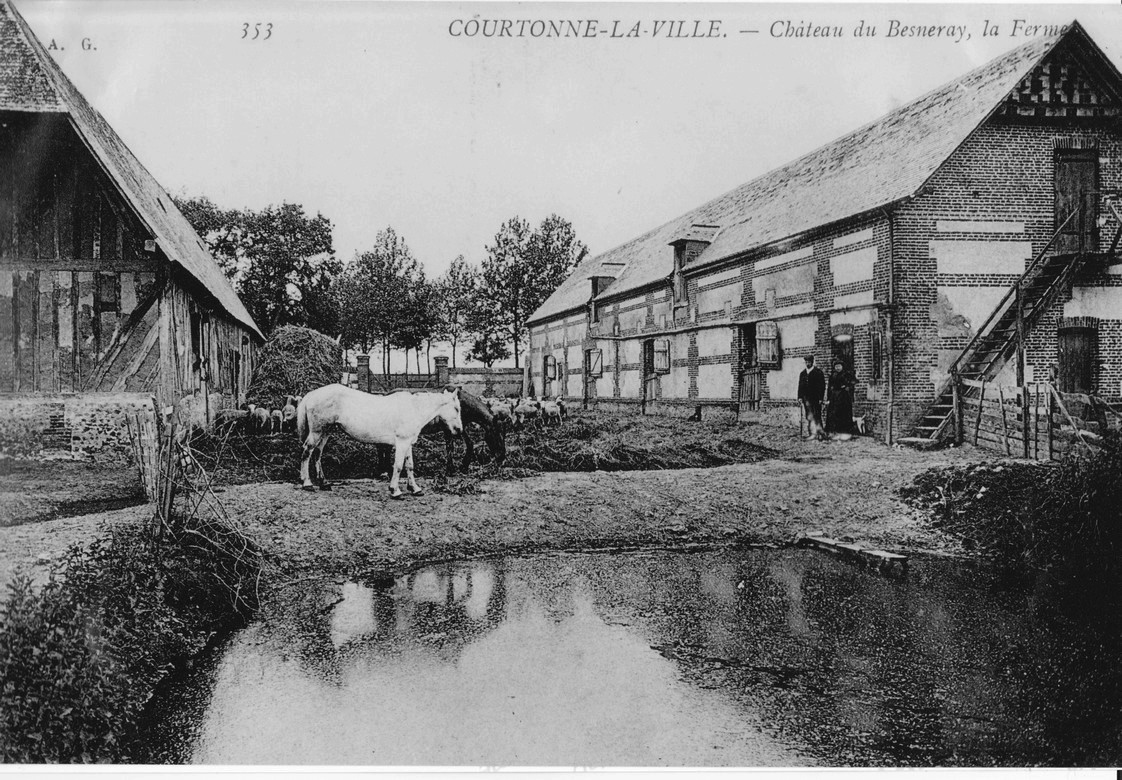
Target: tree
{"points": [[489, 348], [454, 298], [378, 297], [279, 259], [523, 267]]}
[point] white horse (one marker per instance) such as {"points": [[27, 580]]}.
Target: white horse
{"points": [[395, 419]]}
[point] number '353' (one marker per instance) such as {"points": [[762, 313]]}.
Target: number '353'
{"points": [[259, 31]]}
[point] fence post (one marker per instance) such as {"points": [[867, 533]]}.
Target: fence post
{"points": [[956, 389], [1025, 418], [1020, 302], [363, 365], [1051, 412], [443, 376]]}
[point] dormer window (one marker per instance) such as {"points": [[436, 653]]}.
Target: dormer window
{"points": [[689, 244]]}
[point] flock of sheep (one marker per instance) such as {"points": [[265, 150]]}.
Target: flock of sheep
{"points": [[516, 412], [262, 420], [511, 413]]}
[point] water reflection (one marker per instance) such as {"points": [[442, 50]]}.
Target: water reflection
{"points": [[746, 658]]}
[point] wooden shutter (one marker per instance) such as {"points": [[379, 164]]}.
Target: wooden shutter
{"points": [[662, 356], [767, 343], [595, 362]]}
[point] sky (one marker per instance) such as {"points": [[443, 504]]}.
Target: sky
{"points": [[380, 114]]}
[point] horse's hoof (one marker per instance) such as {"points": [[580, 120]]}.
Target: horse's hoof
{"points": [[325, 486], [397, 496], [306, 487], [417, 492]]}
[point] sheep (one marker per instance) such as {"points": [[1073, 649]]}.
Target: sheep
{"points": [[289, 413], [276, 421], [527, 411], [259, 419], [551, 412]]}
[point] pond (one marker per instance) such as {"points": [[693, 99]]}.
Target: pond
{"points": [[718, 658]]}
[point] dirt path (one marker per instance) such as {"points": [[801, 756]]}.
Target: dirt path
{"points": [[357, 528], [844, 489]]}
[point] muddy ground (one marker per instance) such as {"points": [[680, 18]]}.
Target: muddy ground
{"points": [[776, 487]]}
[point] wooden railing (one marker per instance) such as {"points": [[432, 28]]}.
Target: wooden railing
{"points": [[1031, 421]]}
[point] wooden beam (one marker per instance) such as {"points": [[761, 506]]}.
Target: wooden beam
{"points": [[64, 280], [25, 339], [86, 342], [121, 338], [146, 346], [47, 348], [7, 332]]}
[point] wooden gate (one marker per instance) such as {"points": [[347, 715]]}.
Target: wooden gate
{"points": [[1036, 421]]}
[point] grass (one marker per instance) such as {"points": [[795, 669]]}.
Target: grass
{"points": [[1033, 514]]}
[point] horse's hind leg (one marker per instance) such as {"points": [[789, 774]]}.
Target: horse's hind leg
{"points": [[414, 488], [311, 450], [398, 462], [323, 483], [469, 449]]}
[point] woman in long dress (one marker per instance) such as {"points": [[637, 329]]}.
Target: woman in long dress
{"points": [[839, 416]]}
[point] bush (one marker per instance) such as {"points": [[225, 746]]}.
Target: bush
{"points": [[1030, 513], [294, 361], [80, 657]]}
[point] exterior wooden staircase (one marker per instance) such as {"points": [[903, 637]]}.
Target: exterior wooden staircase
{"points": [[1002, 334]]}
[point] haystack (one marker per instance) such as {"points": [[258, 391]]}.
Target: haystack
{"points": [[292, 362]]}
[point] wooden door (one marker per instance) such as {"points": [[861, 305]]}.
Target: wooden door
{"points": [[750, 390], [1076, 179], [1076, 359]]}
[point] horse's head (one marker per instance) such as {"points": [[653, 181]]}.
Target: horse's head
{"points": [[449, 412]]}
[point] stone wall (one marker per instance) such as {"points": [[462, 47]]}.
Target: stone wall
{"points": [[90, 426]]}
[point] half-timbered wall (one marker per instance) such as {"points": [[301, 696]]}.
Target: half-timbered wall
{"points": [[88, 305], [833, 281]]}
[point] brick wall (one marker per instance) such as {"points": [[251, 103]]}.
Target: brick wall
{"points": [[704, 329], [995, 191], [81, 427]]}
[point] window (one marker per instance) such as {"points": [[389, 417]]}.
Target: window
{"points": [[767, 343], [594, 359], [196, 336], [842, 347], [549, 368], [681, 291], [108, 298]]}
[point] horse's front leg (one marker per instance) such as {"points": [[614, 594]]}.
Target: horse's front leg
{"points": [[414, 488], [399, 452], [449, 451], [469, 449]]}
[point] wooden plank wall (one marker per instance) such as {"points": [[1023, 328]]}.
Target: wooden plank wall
{"points": [[72, 260], [83, 306]]}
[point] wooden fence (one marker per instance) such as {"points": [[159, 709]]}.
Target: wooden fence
{"points": [[1035, 421]]}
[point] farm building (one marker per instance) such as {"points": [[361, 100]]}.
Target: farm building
{"points": [[970, 233], [107, 295]]}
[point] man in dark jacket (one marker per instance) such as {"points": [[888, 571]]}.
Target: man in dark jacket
{"points": [[812, 389]]}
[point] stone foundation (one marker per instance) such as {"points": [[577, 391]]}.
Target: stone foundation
{"points": [[90, 426]]}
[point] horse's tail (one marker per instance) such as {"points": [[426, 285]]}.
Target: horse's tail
{"points": [[302, 421]]}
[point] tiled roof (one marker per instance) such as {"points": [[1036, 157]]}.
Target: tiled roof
{"points": [[874, 166], [30, 80]]}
